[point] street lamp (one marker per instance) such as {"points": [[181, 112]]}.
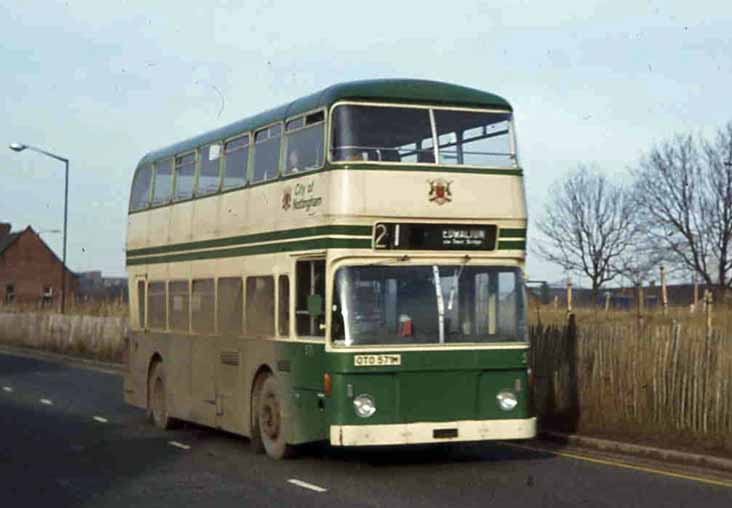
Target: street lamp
{"points": [[19, 147]]}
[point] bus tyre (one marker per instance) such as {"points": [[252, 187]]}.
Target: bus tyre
{"points": [[270, 421], [157, 403], [256, 439]]}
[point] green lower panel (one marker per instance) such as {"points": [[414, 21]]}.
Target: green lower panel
{"points": [[382, 387], [430, 386], [427, 386], [309, 422], [434, 396], [301, 367], [409, 397]]}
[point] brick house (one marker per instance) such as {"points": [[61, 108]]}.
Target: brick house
{"points": [[30, 272]]}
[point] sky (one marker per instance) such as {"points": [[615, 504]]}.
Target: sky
{"points": [[102, 83]]}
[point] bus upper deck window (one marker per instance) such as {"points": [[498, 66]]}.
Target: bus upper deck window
{"points": [[185, 173], [379, 133], [141, 187], [209, 174], [304, 143], [266, 153], [475, 138], [163, 182], [236, 155]]}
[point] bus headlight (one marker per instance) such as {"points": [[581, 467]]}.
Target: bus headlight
{"points": [[364, 405], [506, 400]]}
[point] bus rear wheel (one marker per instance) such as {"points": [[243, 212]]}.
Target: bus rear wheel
{"points": [[270, 421], [157, 402]]}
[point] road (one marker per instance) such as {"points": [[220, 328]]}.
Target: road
{"points": [[68, 439]]}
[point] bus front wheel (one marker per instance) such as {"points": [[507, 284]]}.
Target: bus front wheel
{"points": [[270, 421], [157, 401]]}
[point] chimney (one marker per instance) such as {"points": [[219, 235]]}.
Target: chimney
{"points": [[4, 229]]}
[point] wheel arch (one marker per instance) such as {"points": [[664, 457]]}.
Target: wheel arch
{"points": [[155, 359]]}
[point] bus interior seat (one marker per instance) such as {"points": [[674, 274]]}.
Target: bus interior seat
{"points": [[426, 156], [390, 155]]}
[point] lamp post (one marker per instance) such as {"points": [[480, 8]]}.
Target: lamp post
{"points": [[19, 147]]}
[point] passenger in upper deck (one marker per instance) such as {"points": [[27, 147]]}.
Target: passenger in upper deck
{"points": [[293, 162]]}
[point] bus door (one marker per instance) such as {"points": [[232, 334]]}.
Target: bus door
{"points": [[308, 353], [310, 298]]}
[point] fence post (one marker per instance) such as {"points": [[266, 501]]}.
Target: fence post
{"points": [[607, 301], [664, 293], [708, 310], [639, 300], [569, 295], [695, 303]]}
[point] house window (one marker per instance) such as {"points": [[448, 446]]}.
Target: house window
{"points": [[10, 293], [47, 295]]}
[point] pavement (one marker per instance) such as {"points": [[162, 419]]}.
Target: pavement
{"points": [[68, 439]]}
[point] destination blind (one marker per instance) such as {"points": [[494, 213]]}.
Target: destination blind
{"points": [[415, 236]]}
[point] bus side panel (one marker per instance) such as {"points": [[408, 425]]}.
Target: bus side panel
{"points": [[237, 360], [144, 345], [204, 362], [135, 378], [174, 349]]}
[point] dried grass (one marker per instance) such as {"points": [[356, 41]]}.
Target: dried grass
{"points": [[111, 308], [655, 376]]}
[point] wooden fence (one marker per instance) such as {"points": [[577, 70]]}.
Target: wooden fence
{"points": [[655, 379]]}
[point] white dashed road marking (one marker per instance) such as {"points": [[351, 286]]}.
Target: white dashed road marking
{"points": [[7, 389], [179, 445], [100, 419], [306, 485], [46, 402]]}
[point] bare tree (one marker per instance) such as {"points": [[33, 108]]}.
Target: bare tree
{"points": [[588, 226], [683, 191], [641, 261]]}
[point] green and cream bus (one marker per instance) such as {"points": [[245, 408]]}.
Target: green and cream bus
{"points": [[347, 267]]}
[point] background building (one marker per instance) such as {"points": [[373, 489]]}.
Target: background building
{"points": [[30, 272], [94, 287]]}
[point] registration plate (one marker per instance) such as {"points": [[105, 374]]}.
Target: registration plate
{"points": [[376, 360]]}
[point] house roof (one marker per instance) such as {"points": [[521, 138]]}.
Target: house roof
{"points": [[410, 91], [7, 240]]}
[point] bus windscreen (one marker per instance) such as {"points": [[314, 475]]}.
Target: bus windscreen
{"points": [[404, 135], [397, 305]]}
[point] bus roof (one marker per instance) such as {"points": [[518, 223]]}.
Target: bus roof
{"points": [[410, 91]]}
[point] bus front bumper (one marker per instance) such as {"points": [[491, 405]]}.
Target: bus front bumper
{"points": [[431, 432]]}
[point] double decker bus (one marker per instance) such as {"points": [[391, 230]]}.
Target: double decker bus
{"points": [[347, 267]]}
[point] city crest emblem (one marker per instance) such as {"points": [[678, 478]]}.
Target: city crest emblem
{"points": [[440, 191], [287, 199]]}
